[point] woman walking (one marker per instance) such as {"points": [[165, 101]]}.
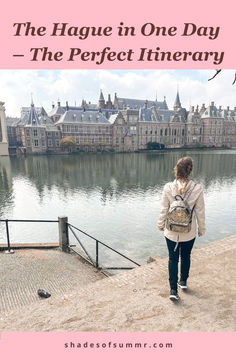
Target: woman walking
{"points": [[182, 210]]}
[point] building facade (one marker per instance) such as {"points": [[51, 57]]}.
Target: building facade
{"points": [[123, 125]]}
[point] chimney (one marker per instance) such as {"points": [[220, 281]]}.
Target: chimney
{"points": [[227, 108], [67, 107], [154, 109], [212, 103], [53, 105], [145, 104], [58, 103]]}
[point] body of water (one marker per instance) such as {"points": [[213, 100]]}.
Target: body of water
{"points": [[114, 197]]}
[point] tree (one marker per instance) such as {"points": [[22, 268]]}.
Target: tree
{"points": [[67, 142], [217, 72]]}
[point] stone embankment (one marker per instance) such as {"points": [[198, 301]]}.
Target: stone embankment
{"points": [[135, 300]]}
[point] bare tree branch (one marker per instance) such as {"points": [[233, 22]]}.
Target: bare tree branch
{"points": [[234, 79], [217, 72]]}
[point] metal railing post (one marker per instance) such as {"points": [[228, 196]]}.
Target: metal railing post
{"points": [[97, 254], [8, 239], [63, 233]]}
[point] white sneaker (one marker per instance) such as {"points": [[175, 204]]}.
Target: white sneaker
{"points": [[174, 295], [182, 284]]}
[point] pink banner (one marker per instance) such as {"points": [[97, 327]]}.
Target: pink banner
{"points": [[102, 34], [112, 342]]}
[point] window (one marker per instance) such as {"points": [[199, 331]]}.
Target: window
{"points": [[43, 142], [166, 132], [76, 128], [27, 132], [35, 132], [28, 142], [122, 140], [161, 132], [117, 140], [49, 133], [36, 143], [49, 142], [57, 142]]}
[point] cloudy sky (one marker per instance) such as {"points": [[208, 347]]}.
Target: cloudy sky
{"points": [[48, 86]]}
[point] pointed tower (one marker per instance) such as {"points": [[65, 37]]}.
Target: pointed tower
{"points": [[33, 116], [116, 103], [101, 102], [177, 103], [109, 103], [165, 103]]}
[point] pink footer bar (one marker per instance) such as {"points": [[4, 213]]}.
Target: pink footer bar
{"points": [[117, 342]]}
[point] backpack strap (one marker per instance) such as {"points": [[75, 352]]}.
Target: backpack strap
{"points": [[186, 196]]}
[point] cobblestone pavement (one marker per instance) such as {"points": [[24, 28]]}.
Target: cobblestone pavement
{"points": [[137, 300], [28, 270]]}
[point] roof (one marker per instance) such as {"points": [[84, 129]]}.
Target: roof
{"points": [[124, 103], [163, 115], [147, 115], [12, 122], [81, 116], [112, 118], [213, 112], [33, 119], [57, 110], [26, 110]]}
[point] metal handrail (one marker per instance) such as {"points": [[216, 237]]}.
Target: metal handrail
{"points": [[19, 220], [71, 227], [90, 260]]}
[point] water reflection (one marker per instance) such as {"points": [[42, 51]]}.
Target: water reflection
{"points": [[6, 191], [120, 173], [115, 197]]}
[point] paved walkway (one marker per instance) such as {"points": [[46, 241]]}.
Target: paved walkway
{"points": [[137, 300], [28, 270]]}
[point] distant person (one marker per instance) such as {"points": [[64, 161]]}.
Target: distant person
{"points": [[182, 210]]}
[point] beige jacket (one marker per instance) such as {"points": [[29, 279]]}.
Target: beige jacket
{"points": [[196, 198]]}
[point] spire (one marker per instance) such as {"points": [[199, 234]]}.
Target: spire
{"points": [[165, 104], [101, 102], [33, 116], [101, 98], [31, 98], [177, 103]]}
